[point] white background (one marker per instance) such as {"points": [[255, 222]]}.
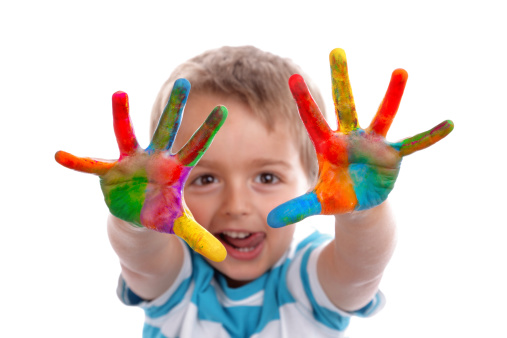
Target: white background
{"points": [[60, 62]]}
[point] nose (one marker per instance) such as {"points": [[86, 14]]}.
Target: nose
{"points": [[237, 200]]}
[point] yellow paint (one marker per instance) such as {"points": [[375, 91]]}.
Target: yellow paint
{"points": [[342, 91], [198, 238]]}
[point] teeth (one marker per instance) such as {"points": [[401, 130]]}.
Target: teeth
{"points": [[234, 234], [245, 249]]}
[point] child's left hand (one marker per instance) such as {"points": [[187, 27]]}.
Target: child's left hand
{"points": [[357, 167]]}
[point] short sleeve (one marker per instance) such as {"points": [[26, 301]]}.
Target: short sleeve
{"points": [[304, 285], [126, 295]]}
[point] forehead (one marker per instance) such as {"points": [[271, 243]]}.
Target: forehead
{"points": [[242, 124]]}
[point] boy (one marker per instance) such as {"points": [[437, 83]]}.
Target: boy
{"points": [[269, 285]]}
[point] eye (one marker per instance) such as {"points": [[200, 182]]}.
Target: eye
{"points": [[204, 180], [267, 178]]}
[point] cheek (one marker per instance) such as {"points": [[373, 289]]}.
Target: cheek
{"points": [[281, 239], [268, 203], [202, 215], [299, 187]]}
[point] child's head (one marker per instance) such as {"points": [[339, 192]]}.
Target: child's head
{"points": [[257, 78], [260, 158]]}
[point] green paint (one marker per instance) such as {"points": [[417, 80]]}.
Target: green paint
{"points": [[192, 152], [125, 199], [170, 120]]}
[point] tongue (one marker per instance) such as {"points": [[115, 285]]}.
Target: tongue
{"points": [[251, 241]]}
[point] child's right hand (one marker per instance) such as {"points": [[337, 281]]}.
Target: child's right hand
{"points": [[144, 187]]}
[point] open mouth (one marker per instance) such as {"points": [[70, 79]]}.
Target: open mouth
{"points": [[242, 245]]}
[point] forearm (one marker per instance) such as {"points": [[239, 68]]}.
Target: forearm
{"points": [[150, 260], [352, 265], [364, 242]]}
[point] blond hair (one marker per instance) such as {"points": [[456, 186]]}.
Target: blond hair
{"points": [[257, 78]]}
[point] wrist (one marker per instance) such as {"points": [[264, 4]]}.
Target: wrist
{"points": [[362, 216], [125, 225]]}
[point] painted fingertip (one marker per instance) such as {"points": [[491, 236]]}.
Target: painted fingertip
{"points": [[221, 113], [62, 158], [450, 125], [120, 97], [182, 83], [120, 105], [295, 79], [294, 210], [215, 252], [297, 85], [198, 238], [400, 75], [274, 220], [66, 159], [442, 129], [337, 55]]}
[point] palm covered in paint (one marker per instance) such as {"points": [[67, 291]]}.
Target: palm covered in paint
{"points": [[357, 167], [144, 186]]}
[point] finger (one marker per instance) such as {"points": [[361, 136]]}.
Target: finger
{"points": [[342, 92], [83, 164], [123, 129], [294, 210], [198, 238], [315, 123], [390, 104], [193, 150], [170, 120], [425, 139]]}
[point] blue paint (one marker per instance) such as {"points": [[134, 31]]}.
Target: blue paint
{"points": [[170, 120], [294, 210], [370, 185], [397, 145]]}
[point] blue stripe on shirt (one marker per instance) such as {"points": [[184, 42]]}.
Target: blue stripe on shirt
{"points": [[152, 332], [244, 320], [371, 307], [240, 321], [176, 298], [325, 316]]}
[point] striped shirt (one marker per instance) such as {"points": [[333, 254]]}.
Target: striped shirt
{"points": [[287, 301]]}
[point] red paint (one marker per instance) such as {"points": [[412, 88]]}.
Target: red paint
{"points": [[390, 104], [127, 142], [83, 164], [315, 123]]}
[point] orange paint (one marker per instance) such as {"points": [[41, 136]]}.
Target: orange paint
{"points": [[334, 189]]}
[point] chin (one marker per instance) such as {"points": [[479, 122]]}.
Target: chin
{"points": [[237, 282], [238, 276]]}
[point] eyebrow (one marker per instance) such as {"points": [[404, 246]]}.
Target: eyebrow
{"points": [[267, 161], [260, 162]]}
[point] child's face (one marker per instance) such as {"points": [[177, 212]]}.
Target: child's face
{"points": [[246, 172]]}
